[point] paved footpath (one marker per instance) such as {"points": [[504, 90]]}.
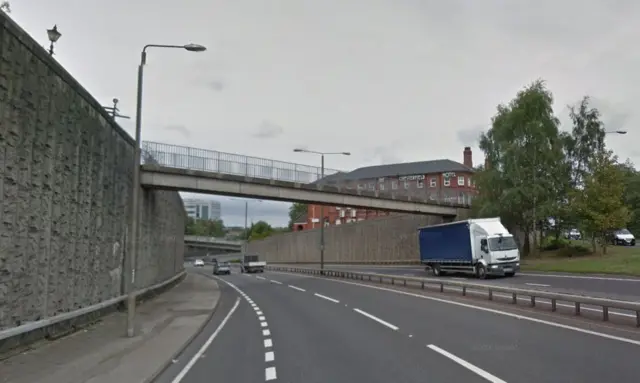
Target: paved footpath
{"points": [[102, 354]]}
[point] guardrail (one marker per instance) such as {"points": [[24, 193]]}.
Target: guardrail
{"points": [[410, 262], [32, 326], [577, 300]]}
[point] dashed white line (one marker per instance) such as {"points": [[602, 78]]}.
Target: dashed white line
{"points": [[206, 345], [326, 297], [268, 343], [270, 374], [276, 282], [297, 288], [261, 318], [258, 312], [263, 278], [467, 365], [268, 356], [263, 324], [375, 318], [537, 284], [266, 332]]}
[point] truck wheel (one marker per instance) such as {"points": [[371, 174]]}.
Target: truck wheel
{"points": [[436, 270], [481, 272]]}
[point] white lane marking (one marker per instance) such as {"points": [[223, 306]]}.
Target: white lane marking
{"points": [[582, 277], [268, 356], [327, 298], [206, 345], [375, 318], [258, 312], [261, 318], [276, 282], [256, 308], [537, 284], [270, 373], [297, 288], [266, 332], [493, 311], [263, 278], [268, 343], [467, 365], [263, 324]]}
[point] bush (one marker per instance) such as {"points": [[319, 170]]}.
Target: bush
{"points": [[553, 243], [573, 251]]}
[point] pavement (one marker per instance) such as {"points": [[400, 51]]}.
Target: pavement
{"points": [[284, 327], [102, 354], [606, 286]]}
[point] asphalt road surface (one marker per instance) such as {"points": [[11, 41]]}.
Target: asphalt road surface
{"points": [[625, 288], [292, 328]]}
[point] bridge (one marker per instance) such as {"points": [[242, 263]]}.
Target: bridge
{"points": [[180, 168]]}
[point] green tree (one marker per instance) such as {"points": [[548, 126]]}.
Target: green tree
{"points": [[205, 228], [259, 230], [599, 203], [632, 194], [523, 149], [295, 210]]}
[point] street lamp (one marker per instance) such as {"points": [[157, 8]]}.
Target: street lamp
{"points": [[322, 154], [616, 132], [132, 254], [54, 35]]}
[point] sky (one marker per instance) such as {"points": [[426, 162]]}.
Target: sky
{"points": [[387, 80]]}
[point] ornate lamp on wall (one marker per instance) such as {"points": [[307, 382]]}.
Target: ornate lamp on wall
{"points": [[54, 35]]}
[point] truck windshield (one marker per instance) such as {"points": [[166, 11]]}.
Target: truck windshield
{"points": [[251, 258], [502, 243]]}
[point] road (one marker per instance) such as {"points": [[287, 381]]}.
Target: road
{"points": [[291, 328], [625, 288]]}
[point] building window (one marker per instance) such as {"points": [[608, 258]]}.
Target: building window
{"points": [[406, 184], [372, 186], [381, 186], [360, 187], [469, 181], [394, 184], [420, 184], [338, 221], [460, 180], [447, 182], [354, 213], [433, 182]]}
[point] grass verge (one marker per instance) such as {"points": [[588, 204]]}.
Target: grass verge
{"points": [[618, 260]]}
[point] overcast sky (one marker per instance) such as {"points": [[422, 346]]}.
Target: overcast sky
{"points": [[388, 80]]}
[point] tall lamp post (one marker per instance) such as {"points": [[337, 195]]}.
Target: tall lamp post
{"points": [[322, 154], [615, 132], [132, 253]]}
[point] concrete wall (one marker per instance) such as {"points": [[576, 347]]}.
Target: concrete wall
{"points": [[65, 186], [387, 238]]}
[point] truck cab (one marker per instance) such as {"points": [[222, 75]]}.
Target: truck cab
{"points": [[499, 255]]}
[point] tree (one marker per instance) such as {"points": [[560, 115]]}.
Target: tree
{"points": [[523, 149], [295, 211], [632, 194], [600, 202], [259, 230], [586, 141], [205, 228]]}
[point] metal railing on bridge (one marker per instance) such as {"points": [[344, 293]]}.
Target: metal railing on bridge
{"points": [[182, 157]]}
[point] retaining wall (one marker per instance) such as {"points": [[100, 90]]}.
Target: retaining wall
{"points": [[65, 188], [381, 239]]}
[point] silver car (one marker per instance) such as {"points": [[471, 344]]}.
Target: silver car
{"points": [[221, 268]]}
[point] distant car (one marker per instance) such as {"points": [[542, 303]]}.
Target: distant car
{"points": [[198, 263], [221, 268], [574, 234], [622, 237]]}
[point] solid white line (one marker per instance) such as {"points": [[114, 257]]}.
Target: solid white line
{"points": [[263, 324], [263, 278], [327, 298], [261, 318], [206, 345], [276, 282], [467, 365], [582, 277], [268, 343], [537, 284], [375, 318], [266, 332], [296, 288], [493, 311], [270, 373], [268, 356]]}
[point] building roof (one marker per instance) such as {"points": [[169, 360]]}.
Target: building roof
{"points": [[401, 169]]}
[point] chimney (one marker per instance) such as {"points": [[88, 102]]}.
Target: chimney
{"points": [[468, 157]]}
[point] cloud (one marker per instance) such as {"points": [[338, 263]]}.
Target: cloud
{"points": [[216, 85], [268, 129], [471, 136], [180, 129]]}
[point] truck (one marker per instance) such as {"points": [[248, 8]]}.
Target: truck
{"points": [[481, 247], [252, 264]]}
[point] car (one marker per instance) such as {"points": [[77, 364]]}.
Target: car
{"points": [[221, 268], [198, 263]]}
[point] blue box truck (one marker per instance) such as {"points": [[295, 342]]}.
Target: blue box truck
{"points": [[481, 247]]}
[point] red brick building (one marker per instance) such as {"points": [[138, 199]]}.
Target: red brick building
{"points": [[438, 180]]}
